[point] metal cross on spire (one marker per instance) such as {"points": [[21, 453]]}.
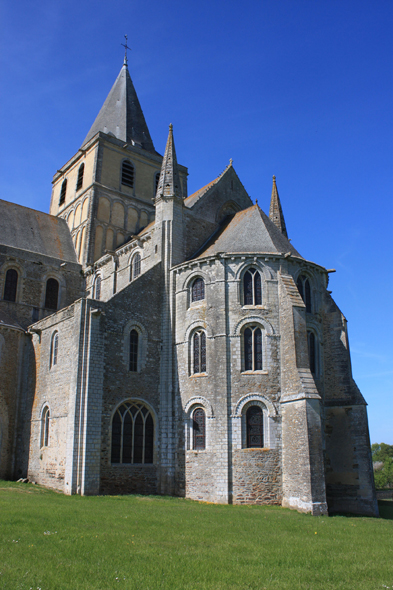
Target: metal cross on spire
{"points": [[125, 51]]}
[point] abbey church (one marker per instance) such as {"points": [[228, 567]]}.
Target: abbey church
{"points": [[154, 342]]}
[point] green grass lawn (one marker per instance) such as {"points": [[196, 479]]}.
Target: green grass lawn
{"points": [[49, 541]]}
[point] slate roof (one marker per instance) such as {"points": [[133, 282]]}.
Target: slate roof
{"points": [[121, 115], [249, 230], [192, 199], [34, 231]]}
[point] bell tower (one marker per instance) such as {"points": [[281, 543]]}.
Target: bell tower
{"points": [[106, 190]]}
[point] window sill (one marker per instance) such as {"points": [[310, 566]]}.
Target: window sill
{"points": [[263, 372], [254, 306], [197, 375], [262, 449]]}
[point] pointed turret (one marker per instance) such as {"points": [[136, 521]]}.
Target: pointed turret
{"points": [[275, 212], [169, 183], [121, 114]]}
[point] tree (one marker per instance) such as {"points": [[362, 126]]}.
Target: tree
{"points": [[382, 455]]}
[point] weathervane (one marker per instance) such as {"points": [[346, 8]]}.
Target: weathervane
{"points": [[125, 51]]}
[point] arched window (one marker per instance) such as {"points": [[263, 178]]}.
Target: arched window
{"points": [[132, 434], [134, 338], [11, 285], [198, 290], [252, 338], [304, 289], [312, 352], [254, 425], [51, 294], [97, 288], [252, 287], [127, 173], [135, 269], [157, 180], [54, 347], [198, 430], [199, 352], [79, 182], [45, 416], [63, 192]]}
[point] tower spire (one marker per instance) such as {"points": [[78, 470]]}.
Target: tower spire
{"points": [[275, 212], [169, 182]]}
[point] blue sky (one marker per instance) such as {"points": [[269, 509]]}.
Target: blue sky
{"points": [[302, 89]]}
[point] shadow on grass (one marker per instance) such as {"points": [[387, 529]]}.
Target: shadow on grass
{"points": [[385, 509]]}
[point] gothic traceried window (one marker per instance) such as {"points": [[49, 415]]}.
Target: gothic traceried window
{"points": [[254, 425], [127, 174], [198, 290], [79, 182], [252, 341], [45, 416], [54, 349], [199, 430], [252, 287], [199, 352], [134, 341], [51, 294], [63, 191], [132, 434], [303, 285], [11, 285]]}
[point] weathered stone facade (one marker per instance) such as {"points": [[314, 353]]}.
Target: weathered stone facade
{"points": [[191, 349]]}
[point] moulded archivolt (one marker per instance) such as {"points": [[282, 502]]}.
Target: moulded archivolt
{"points": [[253, 319], [253, 262]]}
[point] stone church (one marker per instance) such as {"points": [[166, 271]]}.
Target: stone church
{"points": [[154, 342]]}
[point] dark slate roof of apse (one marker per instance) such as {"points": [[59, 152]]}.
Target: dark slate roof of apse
{"points": [[34, 231], [249, 230], [121, 114]]}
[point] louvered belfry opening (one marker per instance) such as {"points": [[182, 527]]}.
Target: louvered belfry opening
{"points": [[127, 174]]}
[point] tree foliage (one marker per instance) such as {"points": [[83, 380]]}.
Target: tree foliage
{"points": [[383, 474]]}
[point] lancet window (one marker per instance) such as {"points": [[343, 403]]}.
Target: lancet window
{"points": [[252, 287], [252, 343], [199, 352], [97, 288], [134, 343], [54, 348], [135, 269], [303, 285], [132, 434], [45, 416], [199, 430], [312, 352]]}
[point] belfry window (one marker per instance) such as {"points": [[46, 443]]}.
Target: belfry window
{"points": [[252, 287], [79, 182], [63, 192], [127, 174], [252, 341], [45, 416], [303, 285], [51, 294], [198, 430], [198, 290], [132, 434], [134, 341], [54, 347], [199, 352], [254, 425], [11, 285], [135, 269]]}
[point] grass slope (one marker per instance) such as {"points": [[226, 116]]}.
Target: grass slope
{"points": [[49, 541]]}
